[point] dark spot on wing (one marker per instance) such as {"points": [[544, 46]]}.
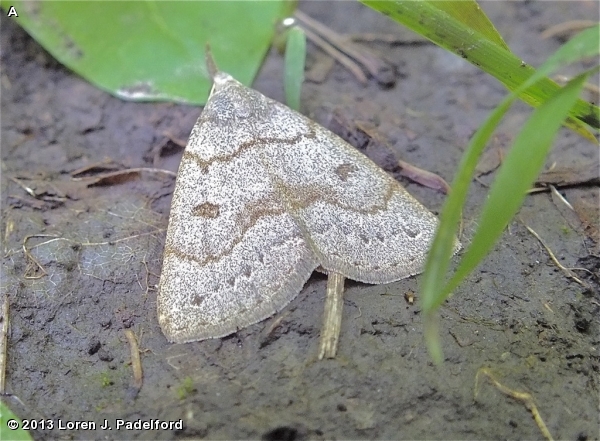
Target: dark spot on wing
{"points": [[344, 170], [206, 210]]}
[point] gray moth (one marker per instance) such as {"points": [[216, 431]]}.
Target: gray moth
{"points": [[263, 197]]}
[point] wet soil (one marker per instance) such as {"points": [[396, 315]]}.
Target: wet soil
{"points": [[95, 254]]}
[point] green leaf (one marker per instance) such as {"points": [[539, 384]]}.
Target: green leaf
{"points": [[295, 55], [433, 22], [153, 50], [19, 434]]}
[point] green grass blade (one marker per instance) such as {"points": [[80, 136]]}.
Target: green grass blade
{"points": [[470, 14], [432, 294], [443, 244], [519, 169], [295, 56], [516, 175], [443, 29], [435, 270]]}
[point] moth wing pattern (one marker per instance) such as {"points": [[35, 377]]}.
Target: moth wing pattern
{"points": [[358, 219], [233, 255], [264, 196]]}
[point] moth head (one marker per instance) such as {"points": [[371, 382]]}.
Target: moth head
{"points": [[222, 78], [220, 81]]}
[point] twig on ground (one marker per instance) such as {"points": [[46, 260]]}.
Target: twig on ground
{"points": [[338, 55], [525, 397], [332, 315], [568, 271], [136, 362], [378, 68], [4, 343], [567, 28], [105, 178]]}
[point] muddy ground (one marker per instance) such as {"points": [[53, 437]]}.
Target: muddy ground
{"points": [[99, 254]]}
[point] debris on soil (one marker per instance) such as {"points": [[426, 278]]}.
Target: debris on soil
{"points": [[585, 174], [525, 397]]}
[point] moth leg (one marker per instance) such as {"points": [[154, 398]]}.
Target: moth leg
{"points": [[332, 315]]}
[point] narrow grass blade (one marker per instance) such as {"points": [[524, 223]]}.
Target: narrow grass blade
{"points": [[432, 293], [470, 14], [520, 167], [444, 29], [295, 56], [435, 270], [516, 175]]}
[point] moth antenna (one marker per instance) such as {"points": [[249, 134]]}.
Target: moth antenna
{"points": [[210, 62]]}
